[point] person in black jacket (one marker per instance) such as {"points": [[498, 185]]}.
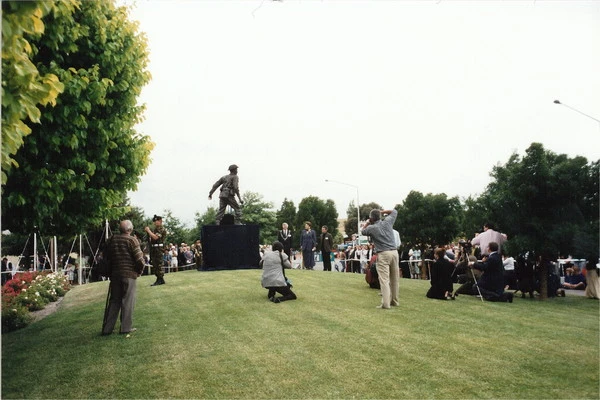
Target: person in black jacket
{"points": [[491, 283], [325, 244], [284, 236], [441, 277]]}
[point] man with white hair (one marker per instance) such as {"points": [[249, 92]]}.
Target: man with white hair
{"points": [[284, 236], [126, 262], [382, 235]]}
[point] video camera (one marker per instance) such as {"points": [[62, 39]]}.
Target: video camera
{"points": [[465, 244]]}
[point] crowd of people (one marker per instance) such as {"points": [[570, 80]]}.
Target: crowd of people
{"points": [[478, 266]]}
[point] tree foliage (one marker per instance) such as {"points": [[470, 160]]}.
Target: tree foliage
{"points": [[475, 214], [318, 212], [351, 224], [428, 220], [286, 213], [24, 88], [208, 217], [177, 233], [547, 202], [258, 212], [81, 159]]}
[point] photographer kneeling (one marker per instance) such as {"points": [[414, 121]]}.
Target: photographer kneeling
{"points": [[273, 264], [491, 283]]}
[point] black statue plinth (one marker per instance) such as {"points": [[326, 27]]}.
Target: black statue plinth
{"points": [[230, 247]]}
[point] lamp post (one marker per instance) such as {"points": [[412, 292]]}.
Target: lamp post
{"points": [[574, 109], [357, 206]]}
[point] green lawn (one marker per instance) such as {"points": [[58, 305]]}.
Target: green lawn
{"points": [[215, 335]]}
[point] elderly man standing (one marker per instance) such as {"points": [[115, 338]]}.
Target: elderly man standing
{"points": [[126, 261], [382, 235]]}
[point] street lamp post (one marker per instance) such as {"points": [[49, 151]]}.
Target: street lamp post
{"points": [[574, 109], [357, 206]]}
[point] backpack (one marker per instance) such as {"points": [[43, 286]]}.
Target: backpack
{"points": [[371, 276]]}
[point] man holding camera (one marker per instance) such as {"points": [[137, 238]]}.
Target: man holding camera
{"points": [[382, 235], [491, 283]]}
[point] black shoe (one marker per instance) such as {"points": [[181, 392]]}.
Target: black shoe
{"points": [[162, 281], [156, 283], [275, 300]]}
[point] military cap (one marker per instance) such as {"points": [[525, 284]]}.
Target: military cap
{"points": [[232, 167], [156, 218]]}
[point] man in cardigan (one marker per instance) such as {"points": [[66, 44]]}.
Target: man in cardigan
{"points": [[126, 261]]}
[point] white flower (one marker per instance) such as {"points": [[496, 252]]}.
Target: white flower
{"points": [[14, 310], [37, 293], [24, 290]]}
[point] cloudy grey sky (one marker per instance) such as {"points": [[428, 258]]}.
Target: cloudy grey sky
{"points": [[390, 96]]}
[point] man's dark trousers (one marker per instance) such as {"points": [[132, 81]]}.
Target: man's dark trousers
{"points": [[326, 260]]}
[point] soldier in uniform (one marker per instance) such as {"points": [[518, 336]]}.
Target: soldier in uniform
{"points": [[229, 189], [157, 238]]}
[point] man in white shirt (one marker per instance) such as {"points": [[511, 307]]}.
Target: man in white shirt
{"points": [[486, 237]]}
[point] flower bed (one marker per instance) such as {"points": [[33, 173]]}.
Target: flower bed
{"points": [[29, 291]]}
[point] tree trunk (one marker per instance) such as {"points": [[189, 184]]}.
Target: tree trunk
{"points": [[543, 280]]}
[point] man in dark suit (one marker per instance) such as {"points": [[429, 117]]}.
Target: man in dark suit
{"points": [[491, 283], [325, 243], [284, 236]]}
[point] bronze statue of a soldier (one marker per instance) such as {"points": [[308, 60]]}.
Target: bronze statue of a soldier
{"points": [[229, 189]]}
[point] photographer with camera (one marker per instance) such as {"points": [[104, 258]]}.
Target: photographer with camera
{"points": [[491, 283], [382, 235], [466, 277]]}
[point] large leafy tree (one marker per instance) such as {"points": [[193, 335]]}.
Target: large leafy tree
{"points": [[81, 159], [23, 87], [256, 211], [319, 212], [428, 220], [547, 202]]}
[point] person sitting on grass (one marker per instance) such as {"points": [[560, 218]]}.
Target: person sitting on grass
{"points": [[273, 264]]}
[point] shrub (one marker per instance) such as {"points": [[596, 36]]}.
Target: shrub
{"points": [[14, 317], [29, 291]]}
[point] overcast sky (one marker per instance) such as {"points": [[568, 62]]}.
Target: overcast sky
{"points": [[390, 96]]}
